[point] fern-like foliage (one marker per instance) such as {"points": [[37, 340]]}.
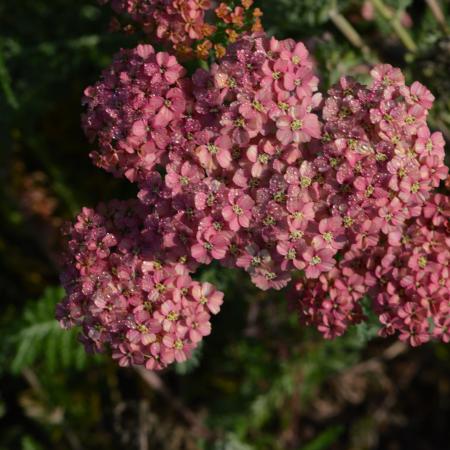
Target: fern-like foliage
{"points": [[39, 340]]}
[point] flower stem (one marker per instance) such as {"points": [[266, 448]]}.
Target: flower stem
{"points": [[5, 84], [396, 25], [346, 28], [438, 15]]}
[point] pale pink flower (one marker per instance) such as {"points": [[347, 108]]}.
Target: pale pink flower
{"points": [[239, 211], [207, 294], [317, 261], [297, 126]]}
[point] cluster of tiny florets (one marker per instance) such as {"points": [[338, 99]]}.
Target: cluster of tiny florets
{"points": [[246, 164], [134, 109], [186, 25], [383, 163], [127, 294]]}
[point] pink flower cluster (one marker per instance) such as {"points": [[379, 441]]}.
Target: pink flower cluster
{"points": [[133, 111], [383, 163], [247, 165], [128, 295], [412, 297]]}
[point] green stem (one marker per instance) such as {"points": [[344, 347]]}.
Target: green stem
{"points": [[5, 82], [438, 15], [346, 28], [396, 25]]}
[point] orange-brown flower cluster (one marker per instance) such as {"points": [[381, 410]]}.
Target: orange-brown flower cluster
{"points": [[183, 24]]}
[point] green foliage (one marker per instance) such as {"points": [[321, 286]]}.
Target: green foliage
{"points": [[40, 339], [5, 83], [231, 442], [285, 17], [28, 443], [325, 439], [367, 330]]}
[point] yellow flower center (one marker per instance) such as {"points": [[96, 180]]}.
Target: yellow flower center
{"points": [[291, 254], [237, 210], [296, 125], [315, 260], [422, 262], [327, 236], [305, 182], [213, 149], [172, 316]]}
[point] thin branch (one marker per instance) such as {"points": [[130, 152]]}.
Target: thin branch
{"points": [[438, 14], [37, 387], [143, 425], [396, 25], [5, 83], [346, 28]]}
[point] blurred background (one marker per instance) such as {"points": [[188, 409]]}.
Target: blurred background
{"points": [[260, 381]]}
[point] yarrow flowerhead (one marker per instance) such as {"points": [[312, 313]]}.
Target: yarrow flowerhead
{"points": [[383, 162], [128, 295], [246, 164], [132, 111]]}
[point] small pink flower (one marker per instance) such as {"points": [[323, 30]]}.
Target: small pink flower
{"points": [[198, 325], [391, 216], [206, 294], [292, 253], [215, 153], [418, 94], [260, 156], [212, 245], [239, 212], [387, 75], [167, 108], [188, 176], [302, 82], [299, 126], [299, 55], [169, 68], [331, 234], [437, 209], [317, 261]]}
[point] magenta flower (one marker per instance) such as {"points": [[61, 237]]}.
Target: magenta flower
{"points": [[239, 211], [331, 234], [206, 294], [297, 126], [187, 177], [317, 261], [211, 245], [215, 153], [167, 108]]}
